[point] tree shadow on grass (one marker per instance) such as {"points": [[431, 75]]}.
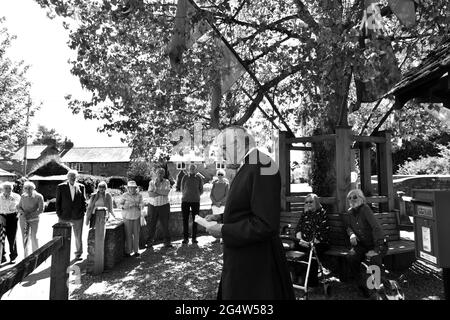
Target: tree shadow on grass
{"points": [[184, 272]]}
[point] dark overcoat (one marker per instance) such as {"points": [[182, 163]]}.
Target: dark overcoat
{"points": [[254, 262]]}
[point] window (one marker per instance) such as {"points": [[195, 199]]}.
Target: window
{"points": [[181, 165], [104, 165], [220, 165], [76, 166]]}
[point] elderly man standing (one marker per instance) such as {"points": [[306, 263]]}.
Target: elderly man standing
{"points": [[191, 189], [159, 207], [71, 206], [254, 263], [8, 218]]}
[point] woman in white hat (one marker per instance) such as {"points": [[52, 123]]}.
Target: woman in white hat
{"points": [[132, 204]]}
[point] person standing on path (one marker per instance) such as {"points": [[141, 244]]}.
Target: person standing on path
{"points": [[159, 207], [30, 206], [191, 189], [132, 204], [71, 206], [8, 218], [254, 261]]}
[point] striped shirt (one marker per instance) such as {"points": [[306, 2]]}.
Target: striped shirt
{"points": [[159, 187], [8, 204]]}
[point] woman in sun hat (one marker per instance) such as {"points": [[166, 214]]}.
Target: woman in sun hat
{"points": [[131, 204]]}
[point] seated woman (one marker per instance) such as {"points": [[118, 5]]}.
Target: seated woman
{"points": [[366, 237], [312, 226], [101, 198]]}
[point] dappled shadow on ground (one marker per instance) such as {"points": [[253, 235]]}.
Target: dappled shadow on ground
{"points": [[184, 272], [419, 282], [193, 273]]}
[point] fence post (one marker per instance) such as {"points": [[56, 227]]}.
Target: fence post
{"points": [[99, 253], [60, 262]]}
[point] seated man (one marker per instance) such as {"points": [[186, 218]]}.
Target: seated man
{"points": [[366, 238], [312, 227]]}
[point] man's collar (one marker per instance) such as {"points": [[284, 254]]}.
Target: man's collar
{"points": [[246, 155]]}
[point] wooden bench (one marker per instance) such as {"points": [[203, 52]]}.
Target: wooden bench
{"points": [[400, 254]]}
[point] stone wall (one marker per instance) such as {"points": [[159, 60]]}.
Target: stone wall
{"points": [[115, 236], [114, 245], [175, 225]]}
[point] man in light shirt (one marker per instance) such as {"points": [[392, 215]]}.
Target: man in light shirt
{"points": [[8, 219], [71, 206], [159, 207]]}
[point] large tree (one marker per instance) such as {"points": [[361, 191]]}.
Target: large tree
{"points": [[14, 97], [50, 137], [304, 53]]}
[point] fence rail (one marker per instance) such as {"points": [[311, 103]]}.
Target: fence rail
{"points": [[59, 249]]}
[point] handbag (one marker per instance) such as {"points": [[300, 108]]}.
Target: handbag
{"points": [[143, 221]]}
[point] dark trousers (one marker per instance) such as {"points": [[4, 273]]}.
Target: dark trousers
{"points": [[185, 208], [354, 258], [160, 213], [11, 232]]}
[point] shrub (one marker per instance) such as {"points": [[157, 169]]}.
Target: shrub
{"points": [[428, 165], [90, 182], [116, 182]]}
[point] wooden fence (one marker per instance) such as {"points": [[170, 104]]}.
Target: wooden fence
{"points": [[59, 249]]}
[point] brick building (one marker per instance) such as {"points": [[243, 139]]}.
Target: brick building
{"points": [[99, 161]]}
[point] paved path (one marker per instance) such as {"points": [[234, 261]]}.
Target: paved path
{"points": [[37, 285]]}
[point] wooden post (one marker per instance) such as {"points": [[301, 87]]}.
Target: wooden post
{"points": [[446, 278], [59, 289], [384, 160], [285, 170], [365, 168], [343, 166], [99, 255]]}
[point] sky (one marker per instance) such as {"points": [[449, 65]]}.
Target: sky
{"points": [[42, 44]]}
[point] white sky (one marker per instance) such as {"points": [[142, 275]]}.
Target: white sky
{"points": [[42, 44]]}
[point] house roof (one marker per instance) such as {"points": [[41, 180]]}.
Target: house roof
{"points": [[97, 154], [4, 173], [48, 178], [33, 152], [432, 68], [49, 167]]}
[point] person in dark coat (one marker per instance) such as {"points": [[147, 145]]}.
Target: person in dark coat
{"points": [[71, 206], [254, 262], [366, 238]]}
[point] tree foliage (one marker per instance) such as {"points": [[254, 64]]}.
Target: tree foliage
{"points": [[304, 54], [14, 97], [50, 137]]}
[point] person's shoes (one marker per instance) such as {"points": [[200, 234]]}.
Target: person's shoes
{"points": [[78, 257], [185, 241], [12, 261], [136, 254], [3, 260], [194, 241], [127, 255]]}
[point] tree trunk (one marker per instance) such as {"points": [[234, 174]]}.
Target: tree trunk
{"points": [[323, 167], [216, 98]]}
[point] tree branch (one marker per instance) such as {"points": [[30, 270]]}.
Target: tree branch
{"points": [[305, 15]]}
